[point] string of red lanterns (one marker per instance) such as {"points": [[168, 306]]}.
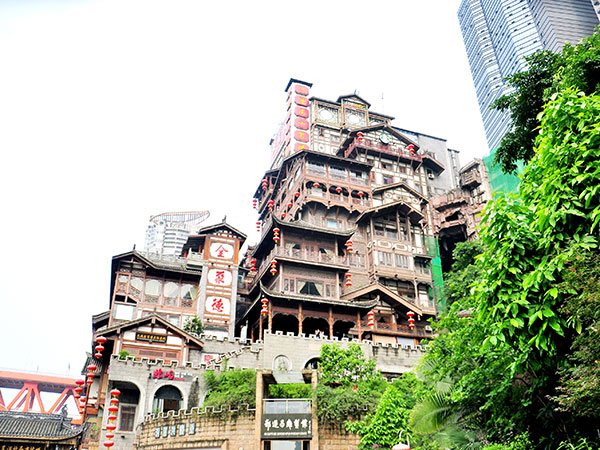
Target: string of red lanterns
{"points": [[276, 235], [371, 319], [273, 267], [253, 265], [265, 184], [111, 426], [348, 279], [411, 320], [265, 308], [254, 203], [270, 205], [359, 136], [86, 384], [349, 246], [258, 224]]}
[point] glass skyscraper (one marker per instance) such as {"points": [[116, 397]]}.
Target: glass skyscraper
{"points": [[499, 33]]}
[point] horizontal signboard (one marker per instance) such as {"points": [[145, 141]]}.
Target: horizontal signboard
{"points": [[286, 426]]}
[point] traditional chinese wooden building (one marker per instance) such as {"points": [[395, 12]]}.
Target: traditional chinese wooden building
{"points": [[345, 222]]}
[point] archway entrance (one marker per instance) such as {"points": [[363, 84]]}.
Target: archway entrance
{"points": [[285, 323], [313, 325], [341, 328], [167, 398]]}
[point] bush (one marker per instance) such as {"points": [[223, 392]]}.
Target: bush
{"points": [[292, 390], [232, 388]]}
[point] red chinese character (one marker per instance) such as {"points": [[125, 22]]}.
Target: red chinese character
{"points": [[220, 251], [220, 277], [217, 305], [158, 373], [170, 375]]}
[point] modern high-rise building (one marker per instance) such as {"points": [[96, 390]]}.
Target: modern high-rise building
{"points": [[167, 232], [498, 34]]}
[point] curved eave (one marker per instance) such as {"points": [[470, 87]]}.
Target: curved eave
{"points": [[362, 304], [433, 164]]}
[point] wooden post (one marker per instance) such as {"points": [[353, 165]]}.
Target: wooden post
{"points": [[330, 323], [300, 318], [260, 326], [259, 408], [359, 326], [270, 323]]}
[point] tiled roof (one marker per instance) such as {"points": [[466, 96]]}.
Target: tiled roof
{"points": [[35, 425]]}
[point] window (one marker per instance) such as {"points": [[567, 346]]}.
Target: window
{"points": [[386, 259], [288, 285], [402, 262], [388, 179], [126, 418], [422, 267], [310, 288], [174, 320], [331, 223]]}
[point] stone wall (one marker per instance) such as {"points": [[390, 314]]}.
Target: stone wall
{"points": [[335, 437], [199, 429]]}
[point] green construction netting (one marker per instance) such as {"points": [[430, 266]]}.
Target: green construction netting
{"points": [[433, 249], [501, 182]]}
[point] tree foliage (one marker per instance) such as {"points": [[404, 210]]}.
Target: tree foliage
{"points": [[577, 66], [193, 325], [345, 366], [464, 273], [230, 388]]}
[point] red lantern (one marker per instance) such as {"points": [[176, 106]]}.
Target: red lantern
{"points": [[254, 203], [253, 265], [99, 348], [79, 382], [290, 204], [109, 435], [265, 309], [361, 194], [101, 340], [78, 389], [258, 224], [270, 205], [114, 401], [92, 367], [98, 355], [338, 190], [109, 444], [411, 320], [113, 408], [82, 400], [349, 246], [115, 392], [411, 148], [265, 184], [273, 267], [297, 194], [316, 185], [283, 214], [111, 426], [359, 136], [371, 319], [348, 279]]}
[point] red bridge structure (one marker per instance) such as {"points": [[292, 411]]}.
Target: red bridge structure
{"points": [[30, 386]]}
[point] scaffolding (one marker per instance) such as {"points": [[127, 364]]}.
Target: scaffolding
{"points": [[433, 250]]}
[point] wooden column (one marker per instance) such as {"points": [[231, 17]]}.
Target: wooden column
{"points": [[330, 323], [300, 318], [270, 316], [359, 326], [260, 326]]}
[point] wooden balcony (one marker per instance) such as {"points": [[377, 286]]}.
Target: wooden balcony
{"points": [[375, 146]]}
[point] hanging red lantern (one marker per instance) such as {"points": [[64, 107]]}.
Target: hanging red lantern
{"points": [[297, 194], [316, 185], [258, 224], [111, 426], [109, 435], [411, 320], [109, 444], [114, 401], [265, 308], [283, 214], [79, 382], [112, 417], [290, 204], [348, 279], [276, 235], [253, 265], [349, 246], [360, 194], [115, 392], [78, 390], [371, 319], [411, 148], [98, 355], [338, 190], [101, 340], [254, 203], [265, 184], [82, 400], [92, 367], [99, 348], [359, 136], [270, 205], [273, 267]]}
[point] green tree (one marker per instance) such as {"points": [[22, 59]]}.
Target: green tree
{"points": [[464, 273], [230, 388], [193, 325], [345, 366], [577, 66]]}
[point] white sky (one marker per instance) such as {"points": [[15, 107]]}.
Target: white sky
{"points": [[111, 111]]}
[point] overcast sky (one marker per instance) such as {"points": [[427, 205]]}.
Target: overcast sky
{"points": [[111, 111]]}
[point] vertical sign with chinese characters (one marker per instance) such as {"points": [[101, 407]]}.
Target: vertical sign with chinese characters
{"points": [[221, 252], [298, 107]]}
